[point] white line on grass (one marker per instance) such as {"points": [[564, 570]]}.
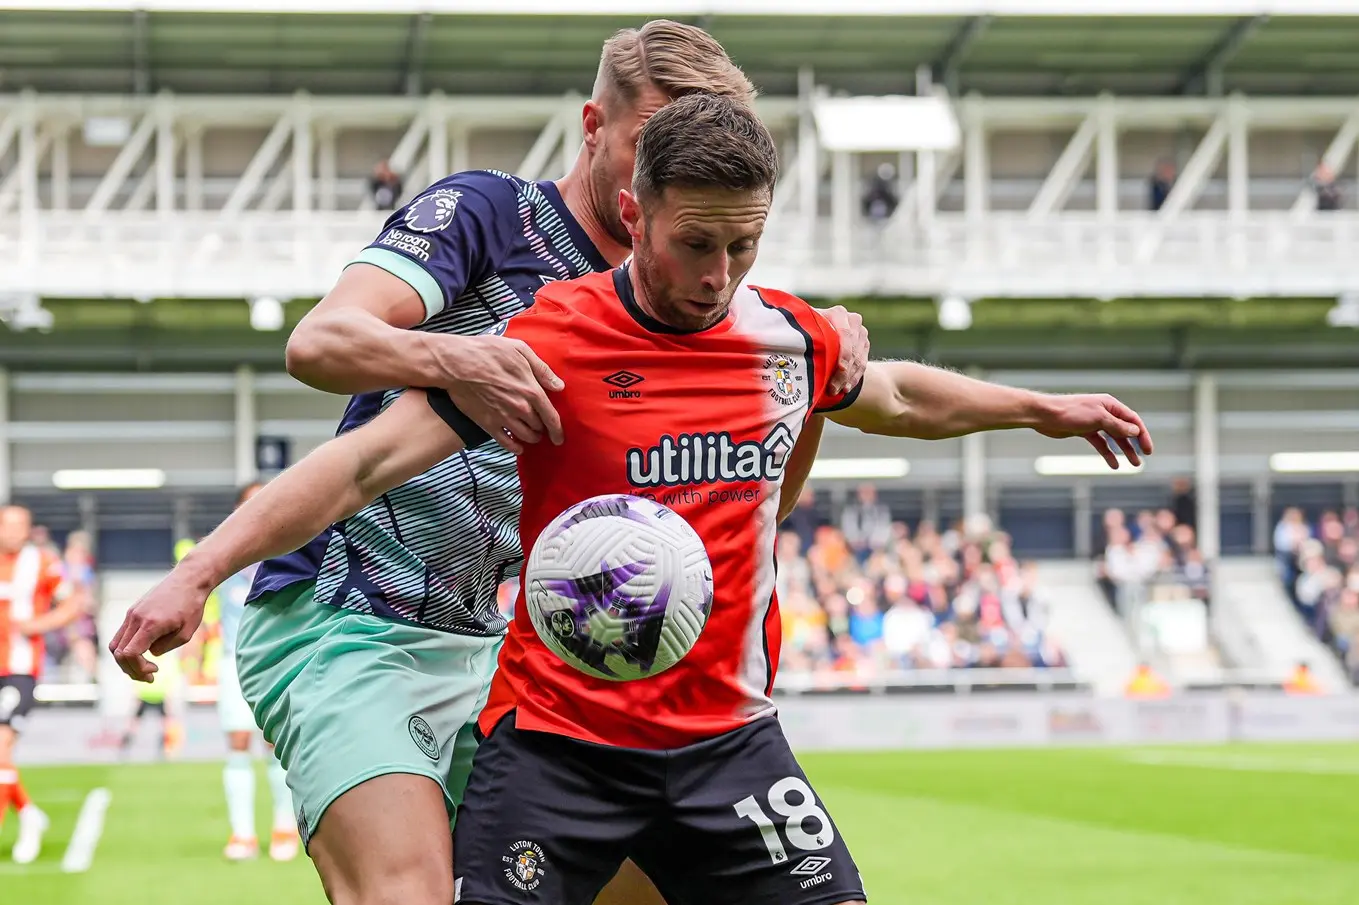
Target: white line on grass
{"points": [[1248, 763], [89, 827]]}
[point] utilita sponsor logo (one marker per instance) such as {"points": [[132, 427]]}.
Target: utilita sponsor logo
{"points": [[710, 459]]}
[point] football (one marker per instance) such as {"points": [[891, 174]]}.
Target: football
{"points": [[619, 587]]}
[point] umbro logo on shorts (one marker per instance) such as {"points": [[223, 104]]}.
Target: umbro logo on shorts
{"points": [[809, 866]]}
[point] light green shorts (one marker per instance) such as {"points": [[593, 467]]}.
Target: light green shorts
{"points": [[345, 697]]}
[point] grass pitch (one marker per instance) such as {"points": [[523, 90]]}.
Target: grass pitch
{"points": [[1238, 825]]}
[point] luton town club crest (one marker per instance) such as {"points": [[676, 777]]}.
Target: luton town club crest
{"points": [[783, 380]]}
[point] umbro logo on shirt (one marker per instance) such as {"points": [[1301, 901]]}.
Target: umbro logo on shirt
{"points": [[623, 383]]}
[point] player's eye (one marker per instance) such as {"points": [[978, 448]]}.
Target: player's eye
{"points": [[743, 248], [697, 245]]}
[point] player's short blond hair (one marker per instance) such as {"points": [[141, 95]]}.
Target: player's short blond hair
{"points": [[674, 58]]}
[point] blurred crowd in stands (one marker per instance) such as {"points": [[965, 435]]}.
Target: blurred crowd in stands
{"points": [[1152, 556], [867, 595], [1319, 567]]}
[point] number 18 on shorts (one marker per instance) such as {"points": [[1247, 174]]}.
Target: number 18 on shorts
{"points": [[728, 821]]}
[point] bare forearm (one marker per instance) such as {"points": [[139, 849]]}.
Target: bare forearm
{"points": [[938, 404], [67, 612], [349, 350], [283, 516], [799, 466]]}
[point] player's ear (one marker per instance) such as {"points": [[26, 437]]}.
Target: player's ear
{"points": [[630, 212], [592, 122]]}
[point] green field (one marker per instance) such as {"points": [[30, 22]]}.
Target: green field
{"points": [[1241, 825]]}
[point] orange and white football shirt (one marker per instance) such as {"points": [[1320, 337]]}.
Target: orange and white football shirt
{"points": [[30, 581], [702, 422]]}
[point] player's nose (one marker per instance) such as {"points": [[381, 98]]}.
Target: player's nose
{"points": [[718, 273]]}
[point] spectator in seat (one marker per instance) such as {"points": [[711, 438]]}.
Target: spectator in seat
{"points": [[385, 186], [1289, 536], [803, 520], [1302, 681], [1344, 627], [1184, 503], [866, 524], [793, 574], [1162, 181], [1327, 191], [880, 197]]}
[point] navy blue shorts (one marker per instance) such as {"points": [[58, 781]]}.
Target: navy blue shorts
{"points": [[728, 821]]}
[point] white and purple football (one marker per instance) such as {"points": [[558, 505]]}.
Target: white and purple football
{"points": [[619, 587]]}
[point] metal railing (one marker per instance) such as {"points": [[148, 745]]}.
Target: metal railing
{"points": [[1002, 254]]}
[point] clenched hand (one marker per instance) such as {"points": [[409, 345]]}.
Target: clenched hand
{"points": [[854, 347], [165, 618], [501, 385]]}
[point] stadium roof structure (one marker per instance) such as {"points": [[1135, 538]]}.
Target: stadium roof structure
{"points": [[996, 47]]}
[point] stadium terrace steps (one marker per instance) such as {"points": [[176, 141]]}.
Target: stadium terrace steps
{"points": [[1095, 642], [1248, 591]]}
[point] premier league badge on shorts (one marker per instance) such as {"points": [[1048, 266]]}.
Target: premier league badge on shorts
{"points": [[431, 213], [524, 865]]}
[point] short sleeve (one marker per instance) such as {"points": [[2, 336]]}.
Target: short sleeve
{"points": [[449, 237], [827, 355], [535, 327]]}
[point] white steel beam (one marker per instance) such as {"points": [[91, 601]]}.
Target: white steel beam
{"points": [[165, 154], [1197, 169], [459, 147], [121, 167], [259, 165], [142, 191], [573, 132], [977, 169], [10, 186], [809, 157], [1056, 188], [1106, 159], [1190, 183], [1336, 154], [536, 159], [1238, 158], [326, 167], [303, 154], [842, 207], [9, 127], [437, 148], [28, 177], [404, 154], [61, 169], [193, 168]]}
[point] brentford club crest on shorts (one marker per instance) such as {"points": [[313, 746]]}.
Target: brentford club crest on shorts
{"points": [[525, 865]]}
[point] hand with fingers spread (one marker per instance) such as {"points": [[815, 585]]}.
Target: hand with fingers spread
{"points": [[502, 386], [165, 618], [854, 348], [1099, 419]]}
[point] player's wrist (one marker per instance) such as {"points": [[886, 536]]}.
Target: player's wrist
{"points": [[1036, 409], [202, 569], [440, 360]]}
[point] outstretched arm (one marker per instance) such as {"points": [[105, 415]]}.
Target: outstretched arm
{"points": [[332, 483], [904, 399]]}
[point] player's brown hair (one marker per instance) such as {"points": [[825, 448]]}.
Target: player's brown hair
{"points": [[704, 141], [675, 58]]}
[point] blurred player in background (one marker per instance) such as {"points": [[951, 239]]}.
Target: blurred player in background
{"points": [[238, 777], [34, 600], [165, 696], [367, 654]]}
